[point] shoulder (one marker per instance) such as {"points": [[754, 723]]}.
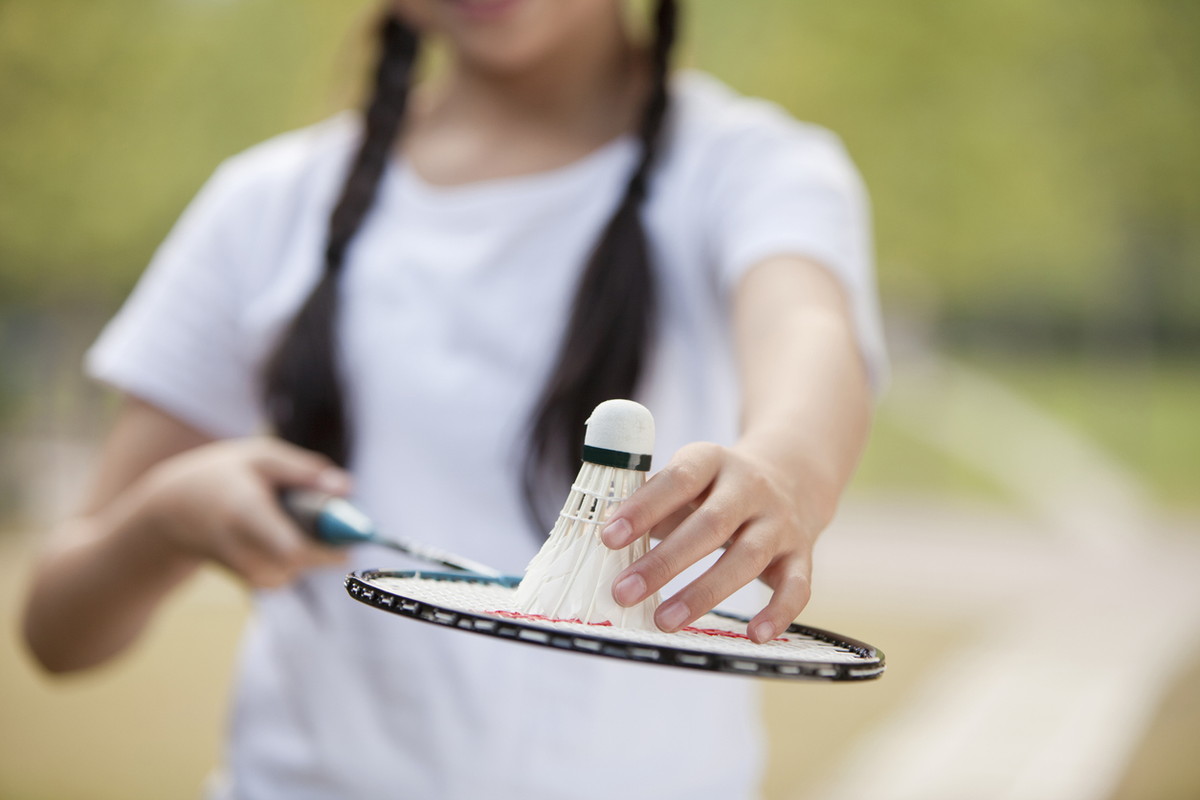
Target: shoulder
{"points": [[269, 197], [306, 163], [715, 129], [267, 201]]}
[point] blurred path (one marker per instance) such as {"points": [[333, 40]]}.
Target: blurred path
{"points": [[1052, 694], [1081, 601], [1087, 609]]}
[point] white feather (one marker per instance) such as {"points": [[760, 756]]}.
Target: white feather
{"points": [[572, 576]]}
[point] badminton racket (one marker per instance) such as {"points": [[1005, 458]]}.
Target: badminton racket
{"points": [[480, 599], [716, 642]]}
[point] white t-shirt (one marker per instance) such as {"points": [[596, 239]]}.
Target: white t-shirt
{"points": [[453, 305]]}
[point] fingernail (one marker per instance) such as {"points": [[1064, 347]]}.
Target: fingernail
{"points": [[763, 632], [671, 615], [629, 589], [334, 481], [616, 534]]}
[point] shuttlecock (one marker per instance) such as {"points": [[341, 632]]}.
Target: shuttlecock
{"points": [[571, 577]]}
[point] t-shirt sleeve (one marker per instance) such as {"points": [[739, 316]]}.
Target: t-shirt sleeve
{"points": [[177, 343], [786, 188]]}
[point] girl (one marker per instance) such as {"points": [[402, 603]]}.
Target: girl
{"points": [[431, 300]]}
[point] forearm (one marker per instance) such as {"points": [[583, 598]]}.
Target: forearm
{"points": [[98, 582], [167, 499], [806, 399]]}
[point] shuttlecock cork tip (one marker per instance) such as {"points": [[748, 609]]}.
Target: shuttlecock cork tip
{"points": [[620, 428]]}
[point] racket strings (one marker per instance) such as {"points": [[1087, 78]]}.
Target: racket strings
{"points": [[713, 635]]}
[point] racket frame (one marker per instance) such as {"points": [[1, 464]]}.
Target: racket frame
{"points": [[360, 587]]}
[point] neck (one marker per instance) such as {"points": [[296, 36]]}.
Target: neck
{"points": [[588, 89]]}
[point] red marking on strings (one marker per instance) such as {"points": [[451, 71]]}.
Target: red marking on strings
{"points": [[606, 624], [541, 618]]}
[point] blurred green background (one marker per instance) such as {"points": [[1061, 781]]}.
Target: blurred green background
{"points": [[1033, 167], [1035, 174]]}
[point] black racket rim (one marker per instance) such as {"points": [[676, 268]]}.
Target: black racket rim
{"points": [[360, 587]]}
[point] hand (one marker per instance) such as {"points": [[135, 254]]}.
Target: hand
{"points": [[219, 502], [709, 497]]}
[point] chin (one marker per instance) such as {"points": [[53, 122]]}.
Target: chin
{"points": [[511, 36]]}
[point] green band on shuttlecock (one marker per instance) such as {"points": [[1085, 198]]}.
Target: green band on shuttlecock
{"points": [[616, 458]]}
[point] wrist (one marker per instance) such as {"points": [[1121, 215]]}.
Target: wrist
{"points": [[141, 524]]}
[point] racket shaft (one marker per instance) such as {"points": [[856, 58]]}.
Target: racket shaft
{"points": [[436, 556], [333, 520]]}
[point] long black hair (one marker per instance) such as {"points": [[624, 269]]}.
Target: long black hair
{"points": [[606, 339]]}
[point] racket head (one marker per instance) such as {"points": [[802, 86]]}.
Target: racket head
{"points": [[716, 642]]}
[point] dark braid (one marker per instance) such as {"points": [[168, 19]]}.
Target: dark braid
{"points": [[302, 389], [612, 318], [613, 315]]}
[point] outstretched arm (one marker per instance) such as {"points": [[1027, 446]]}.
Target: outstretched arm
{"points": [[806, 415], [165, 499]]}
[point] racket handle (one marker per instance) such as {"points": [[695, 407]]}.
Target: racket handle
{"points": [[327, 518]]}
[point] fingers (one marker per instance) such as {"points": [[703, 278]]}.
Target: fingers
{"points": [[220, 501], [252, 565], [276, 550], [284, 464], [793, 587], [741, 563], [265, 570], [266, 546], [685, 479], [251, 534], [665, 527], [707, 528], [705, 499]]}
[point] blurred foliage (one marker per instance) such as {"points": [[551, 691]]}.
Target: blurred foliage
{"points": [[114, 112], [1033, 164], [1141, 413]]}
